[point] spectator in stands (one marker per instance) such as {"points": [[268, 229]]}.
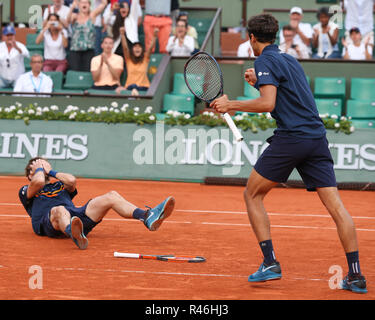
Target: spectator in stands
{"points": [[12, 54], [55, 39], [128, 18], [298, 51], [107, 68], [83, 34], [58, 8], [326, 34], [137, 61], [34, 81], [357, 50], [191, 31], [180, 44], [175, 11], [304, 31], [245, 50], [359, 14], [157, 15], [100, 31]]}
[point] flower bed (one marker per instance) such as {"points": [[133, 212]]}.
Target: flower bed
{"points": [[124, 114]]}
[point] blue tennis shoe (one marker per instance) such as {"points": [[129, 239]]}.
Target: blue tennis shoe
{"points": [[157, 215], [266, 273], [355, 284]]}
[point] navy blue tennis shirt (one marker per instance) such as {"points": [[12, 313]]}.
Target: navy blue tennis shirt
{"points": [[295, 110]]}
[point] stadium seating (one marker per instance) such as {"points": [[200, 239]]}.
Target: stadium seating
{"points": [[249, 92], [330, 106], [78, 80], [330, 88], [362, 89], [360, 109], [202, 26], [180, 99], [57, 78], [30, 43]]}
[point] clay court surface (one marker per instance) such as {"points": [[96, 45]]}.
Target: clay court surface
{"points": [[208, 221]]}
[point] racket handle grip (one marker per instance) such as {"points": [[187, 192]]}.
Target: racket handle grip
{"points": [[237, 134], [126, 255]]}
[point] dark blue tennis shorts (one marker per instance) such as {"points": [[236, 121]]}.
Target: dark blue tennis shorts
{"points": [[311, 158], [48, 230]]}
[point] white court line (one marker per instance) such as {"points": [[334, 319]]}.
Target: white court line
{"points": [[242, 213], [206, 223]]}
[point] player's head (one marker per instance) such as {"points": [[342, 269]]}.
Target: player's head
{"points": [[262, 29], [29, 172]]}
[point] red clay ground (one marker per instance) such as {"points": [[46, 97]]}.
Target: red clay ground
{"points": [[208, 221]]}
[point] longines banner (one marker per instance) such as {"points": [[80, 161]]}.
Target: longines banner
{"points": [[158, 152]]}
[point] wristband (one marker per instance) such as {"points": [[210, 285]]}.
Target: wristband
{"points": [[39, 169], [52, 173]]}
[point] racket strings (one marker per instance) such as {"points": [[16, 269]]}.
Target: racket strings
{"points": [[204, 77]]}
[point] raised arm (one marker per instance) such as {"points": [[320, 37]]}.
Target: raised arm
{"points": [[67, 179], [152, 45], [38, 178], [72, 16], [97, 11], [124, 43]]}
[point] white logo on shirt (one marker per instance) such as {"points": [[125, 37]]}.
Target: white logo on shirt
{"points": [[263, 74]]}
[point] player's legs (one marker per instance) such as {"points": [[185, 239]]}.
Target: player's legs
{"points": [[256, 189], [60, 218], [345, 226], [98, 207]]}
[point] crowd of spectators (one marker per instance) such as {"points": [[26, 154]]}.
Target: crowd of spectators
{"points": [[322, 39], [102, 37]]}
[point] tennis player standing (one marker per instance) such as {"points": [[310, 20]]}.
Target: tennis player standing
{"points": [[298, 142]]}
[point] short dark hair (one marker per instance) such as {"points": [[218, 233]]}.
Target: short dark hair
{"points": [[264, 27], [182, 20], [108, 37], [288, 27], [323, 11], [28, 166]]}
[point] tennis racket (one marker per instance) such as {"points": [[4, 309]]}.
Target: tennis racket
{"points": [[204, 79], [170, 258]]}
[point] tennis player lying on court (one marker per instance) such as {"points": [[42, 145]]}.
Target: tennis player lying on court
{"points": [[53, 213], [298, 142]]}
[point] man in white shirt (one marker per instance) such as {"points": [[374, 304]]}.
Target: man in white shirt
{"points": [[180, 44], [298, 51], [12, 54], [34, 81], [304, 31], [59, 8], [245, 50], [357, 50], [359, 14]]}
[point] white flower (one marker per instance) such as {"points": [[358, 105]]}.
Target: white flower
{"points": [[147, 111], [1, 109], [343, 118], [31, 111], [38, 112], [98, 110], [211, 114], [114, 104], [125, 105], [7, 110], [45, 109], [83, 111], [176, 114], [136, 109], [104, 109], [18, 104], [91, 109], [170, 112], [352, 129], [238, 117], [152, 118], [73, 115], [135, 113], [20, 112], [187, 116], [117, 110], [149, 107], [337, 125], [334, 116], [54, 108], [111, 109], [11, 108], [268, 116]]}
